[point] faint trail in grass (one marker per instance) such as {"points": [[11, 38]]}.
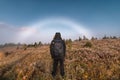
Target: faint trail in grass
{"points": [[10, 65]]}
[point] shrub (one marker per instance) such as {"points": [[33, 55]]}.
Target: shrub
{"points": [[69, 43], [7, 53], [88, 44], [80, 38]]}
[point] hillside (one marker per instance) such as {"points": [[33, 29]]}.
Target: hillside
{"points": [[100, 61]]}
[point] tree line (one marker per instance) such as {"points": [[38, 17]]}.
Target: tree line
{"points": [[36, 44]]}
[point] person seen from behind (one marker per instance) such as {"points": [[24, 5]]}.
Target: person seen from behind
{"points": [[58, 51]]}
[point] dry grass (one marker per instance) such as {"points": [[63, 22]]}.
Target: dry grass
{"points": [[101, 61]]}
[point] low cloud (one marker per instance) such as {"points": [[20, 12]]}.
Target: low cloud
{"points": [[42, 31], [12, 34]]}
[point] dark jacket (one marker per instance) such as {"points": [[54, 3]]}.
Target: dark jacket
{"points": [[52, 48]]}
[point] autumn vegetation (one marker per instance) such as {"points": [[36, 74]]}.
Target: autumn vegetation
{"points": [[95, 59]]}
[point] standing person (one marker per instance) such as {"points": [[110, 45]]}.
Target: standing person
{"points": [[58, 50]]}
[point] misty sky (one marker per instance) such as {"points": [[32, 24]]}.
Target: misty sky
{"points": [[20, 19]]}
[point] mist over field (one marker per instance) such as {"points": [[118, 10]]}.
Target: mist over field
{"points": [[90, 29]]}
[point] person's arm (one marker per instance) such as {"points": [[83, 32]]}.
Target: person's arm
{"points": [[64, 47], [51, 48]]}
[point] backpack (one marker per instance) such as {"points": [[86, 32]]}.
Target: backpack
{"points": [[58, 49]]}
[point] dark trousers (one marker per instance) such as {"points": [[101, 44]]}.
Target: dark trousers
{"points": [[55, 65]]}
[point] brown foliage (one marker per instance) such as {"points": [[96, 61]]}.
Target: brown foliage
{"points": [[99, 62]]}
